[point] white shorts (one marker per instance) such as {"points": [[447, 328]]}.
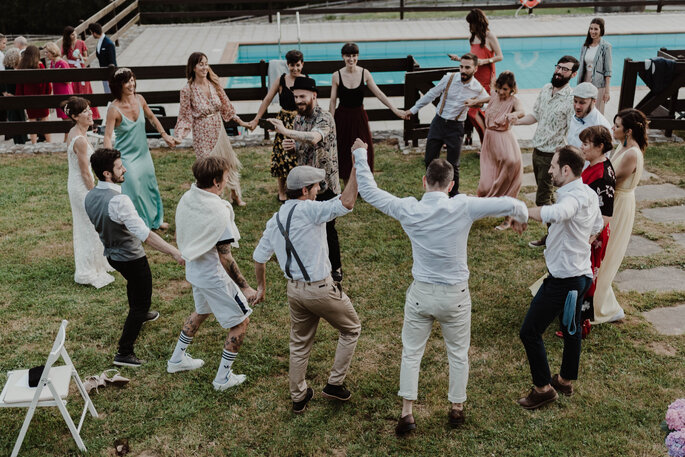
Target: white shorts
{"points": [[227, 303]]}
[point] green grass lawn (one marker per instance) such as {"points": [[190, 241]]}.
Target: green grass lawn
{"points": [[628, 375]]}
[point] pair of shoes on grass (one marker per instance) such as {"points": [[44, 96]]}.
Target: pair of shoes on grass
{"points": [[332, 392], [107, 377], [188, 363], [407, 424]]}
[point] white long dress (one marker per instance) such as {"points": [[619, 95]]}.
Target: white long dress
{"points": [[91, 264]]}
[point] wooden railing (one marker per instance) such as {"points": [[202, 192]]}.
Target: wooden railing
{"points": [[663, 109], [259, 69], [416, 84], [401, 7]]}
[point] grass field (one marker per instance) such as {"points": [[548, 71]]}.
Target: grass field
{"points": [[629, 373]]}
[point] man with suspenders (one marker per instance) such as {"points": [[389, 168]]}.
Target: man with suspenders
{"points": [[297, 234]]}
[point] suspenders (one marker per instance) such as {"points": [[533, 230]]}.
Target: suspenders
{"points": [[444, 99], [289, 248]]}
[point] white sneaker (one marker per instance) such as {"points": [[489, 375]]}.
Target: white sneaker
{"points": [[187, 363], [232, 380]]}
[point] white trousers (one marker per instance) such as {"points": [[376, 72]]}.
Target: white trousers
{"points": [[451, 306]]}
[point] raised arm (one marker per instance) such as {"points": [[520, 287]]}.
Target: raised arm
{"points": [[273, 90], [367, 187], [81, 150], [334, 93]]}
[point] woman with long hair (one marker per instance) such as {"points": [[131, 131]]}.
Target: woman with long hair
{"points": [[91, 264], [11, 61], [76, 53], [30, 60], [351, 120], [595, 62], [54, 55], [485, 46], [630, 130], [204, 108], [501, 165], [282, 161], [126, 117]]}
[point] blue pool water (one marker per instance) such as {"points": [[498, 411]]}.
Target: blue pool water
{"points": [[532, 59]]}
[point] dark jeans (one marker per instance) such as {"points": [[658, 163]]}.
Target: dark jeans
{"points": [[331, 233], [545, 307], [545, 191], [139, 290], [450, 133]]}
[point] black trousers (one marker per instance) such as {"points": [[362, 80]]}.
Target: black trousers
{"points": [[139, 290], [545, 307], [331, 233], [449, 133]]}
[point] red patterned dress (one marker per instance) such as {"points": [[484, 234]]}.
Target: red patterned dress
{"points": [[75, 58]]}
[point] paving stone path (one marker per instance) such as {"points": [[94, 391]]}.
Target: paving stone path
{"points": [[658, 192], [657, 279], [667, 214], [642, 247], [668, 321]]}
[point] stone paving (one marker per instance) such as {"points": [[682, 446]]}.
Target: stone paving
{"points": [[668, 214], [668, 321], [679, 238], [658, 192], [657, 279], [642, 247]]}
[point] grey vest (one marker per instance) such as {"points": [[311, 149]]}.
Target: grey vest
{"points": [[120, 244]]}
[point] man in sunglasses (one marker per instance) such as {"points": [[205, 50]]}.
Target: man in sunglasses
{"points": [[552, 111]]}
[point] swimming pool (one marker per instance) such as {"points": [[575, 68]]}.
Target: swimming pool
{"points": [[532, 59]]}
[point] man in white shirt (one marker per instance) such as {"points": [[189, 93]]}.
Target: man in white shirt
{"points": [[438, 228], [586, 114], [574, 219], [205, 231], [297, 234], [121, 231], [447, 127]]}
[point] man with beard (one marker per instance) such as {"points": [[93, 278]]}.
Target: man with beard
{"points": [[447, 127], [552, 111], [121, 231], [586, 114], [574, 219], [313, 137]]}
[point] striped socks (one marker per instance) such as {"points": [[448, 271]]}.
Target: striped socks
{"points": [[227, 359], [181, 346]]}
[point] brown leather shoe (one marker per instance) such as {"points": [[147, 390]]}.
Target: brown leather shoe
{"points": [[405, 425], [537, 399], [456, 417], [564, 389]]}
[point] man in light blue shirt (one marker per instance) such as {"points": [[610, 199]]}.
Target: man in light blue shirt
{"points": [[438, 228]]}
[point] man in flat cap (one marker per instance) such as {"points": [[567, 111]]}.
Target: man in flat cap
{"points": [[313, 137], [586, 114], [297, 235]]}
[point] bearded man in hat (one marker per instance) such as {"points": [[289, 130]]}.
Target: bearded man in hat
{"points": [[296, 234], [313, 137], [586, 114]]}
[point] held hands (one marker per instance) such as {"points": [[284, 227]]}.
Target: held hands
{"points": [[518, 227], [358, 143], [278, 125], [252, 124], [250, 294], [170, 140], [512, 118], [259, 297], [177, 257], [407, 115]]}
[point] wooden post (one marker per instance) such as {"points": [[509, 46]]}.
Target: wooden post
{"points": [[269, 6], [659, 6], [401, 9], [263, 72], [626, 98]]}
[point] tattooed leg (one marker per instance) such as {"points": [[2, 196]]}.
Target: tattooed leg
{"points": [[235, 336], [193, 323]]}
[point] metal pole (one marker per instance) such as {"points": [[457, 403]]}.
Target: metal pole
{"points": [[299, 41], [278, 21]]}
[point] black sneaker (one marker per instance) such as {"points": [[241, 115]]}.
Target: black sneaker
{"points": [[300, 406], [151, 316], [336, 392], [127, 360]]}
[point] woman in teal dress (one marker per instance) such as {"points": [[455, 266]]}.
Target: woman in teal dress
{"points": [[126, 120]]}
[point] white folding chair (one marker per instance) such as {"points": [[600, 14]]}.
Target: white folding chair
{"points": [[18, 394]]}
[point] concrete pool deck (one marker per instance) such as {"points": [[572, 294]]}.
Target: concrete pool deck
{"points": [[171, 45]]}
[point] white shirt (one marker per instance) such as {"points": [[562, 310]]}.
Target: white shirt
{"points": [[577, 125], [590, 55], [437, 226], [457, 94], [574, 218], [206, 270], [98, 48], [122, 211], [307, 233]]}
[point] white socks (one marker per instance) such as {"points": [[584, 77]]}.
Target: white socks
{"points": [[227, 359], [181, 346]]}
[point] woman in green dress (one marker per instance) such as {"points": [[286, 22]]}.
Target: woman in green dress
{"points": [[126, 120]]}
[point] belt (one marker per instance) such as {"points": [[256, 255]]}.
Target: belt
{"points": [[305, 284]]}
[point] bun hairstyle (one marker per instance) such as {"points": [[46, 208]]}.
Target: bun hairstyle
{"points": [[74, 106], [598, 135], [635, 121]]}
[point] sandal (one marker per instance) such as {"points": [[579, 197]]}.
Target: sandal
{"points": [[116, 379], [94, 382]]}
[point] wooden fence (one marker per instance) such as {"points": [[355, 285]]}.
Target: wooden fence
{"points": [[663, 109], [259, 69]]}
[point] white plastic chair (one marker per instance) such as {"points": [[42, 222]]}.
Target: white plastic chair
{"points": [[17, 393]]}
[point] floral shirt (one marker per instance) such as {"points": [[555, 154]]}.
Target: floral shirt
{"points": [[203, 116], [324, 154], [553, 113]]}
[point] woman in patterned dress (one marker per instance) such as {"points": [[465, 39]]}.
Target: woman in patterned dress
{"points": [[282, 161], [76, 53], [204, 107]]}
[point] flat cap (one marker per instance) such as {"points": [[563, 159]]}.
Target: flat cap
{"points": [[585, 90], [304, 175]]}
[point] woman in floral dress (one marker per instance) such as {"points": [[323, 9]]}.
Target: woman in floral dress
{"points": [[204, 108]]}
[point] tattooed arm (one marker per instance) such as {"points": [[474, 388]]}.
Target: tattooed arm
{"points": [[231, 267], [305, 137]]}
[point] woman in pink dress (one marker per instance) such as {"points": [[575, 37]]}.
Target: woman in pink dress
{"points": [[30, 60], [54, 55], [485, 46], [76, 53], [501, 167], [204, 108]]}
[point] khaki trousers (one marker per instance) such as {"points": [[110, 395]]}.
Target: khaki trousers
{"points": [[310, 302]]}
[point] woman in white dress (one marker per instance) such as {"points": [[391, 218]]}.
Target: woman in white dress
{"points": [[91, 264]]}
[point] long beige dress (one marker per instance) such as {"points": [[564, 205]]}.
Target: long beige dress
{"points": [[605, 303]]}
